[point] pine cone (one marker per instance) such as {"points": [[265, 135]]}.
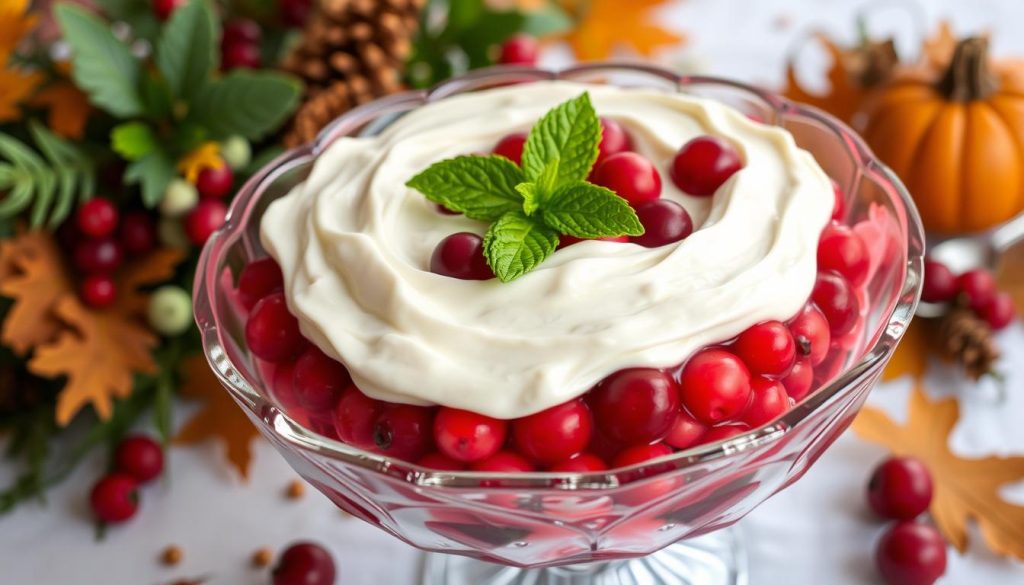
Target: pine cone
{"points": [[352, 51], [967, 340]]}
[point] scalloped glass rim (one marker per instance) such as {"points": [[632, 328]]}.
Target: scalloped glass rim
{"points": [[293, 433]]}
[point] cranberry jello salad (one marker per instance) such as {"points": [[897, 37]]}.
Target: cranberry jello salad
{"points": [[553, 276]]}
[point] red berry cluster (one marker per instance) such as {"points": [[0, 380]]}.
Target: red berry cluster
{"points": [[240, 45], [519, 50], [910, 552], [213, 185], [975, 289], [115, 497], [304, 563]]}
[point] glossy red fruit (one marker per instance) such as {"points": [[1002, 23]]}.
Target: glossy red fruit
{"points": [[138, 233], [940, 284], [837, 302], [723, 432], [504, 462], [204, 219], [978, 287], [215, 183], [614, 139], [114, 498], [999, 311], [812, 335], [258, 279], [703, 164], [163, 9], [631, 176], [468, 436], [98, 256], [295, 12], [768, 402], [635, 405], [641, 453], [319, 380], [767, 348], [240, 55], [839, 207], [686, 431], [664, 222], [582, 463], [97, 218], [404, 431], [799, 380], [519, 50], [440, 462], [911, 553], [461, 256], [98, 291], [241, 30], [511, 147], [140, 457], [354, 417], [842, 251], [271, 332], [304, 563], [900, 488], [555, 434], [715, 386]]}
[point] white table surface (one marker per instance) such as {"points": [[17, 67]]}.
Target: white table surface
{"points": [[816, 532]]}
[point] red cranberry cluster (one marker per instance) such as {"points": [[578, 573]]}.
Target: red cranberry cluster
{"points": [[975, 289], [240, 45], [910, 552], [137, 460]]}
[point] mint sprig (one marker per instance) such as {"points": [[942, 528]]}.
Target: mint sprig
{"points": [[530, 207]]}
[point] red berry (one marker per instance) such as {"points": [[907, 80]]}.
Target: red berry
{"points": [[404, 431], [582, 463], [100, 256], [768, 402], [798, 382], [812, 335], [114, 498], [204, 219], [511, 147], [703, 164], [97, 218], [138, 233], [636, 405], [257, 280], [319, 380], [140, 457], [163, 8], [461, 256], [940, 284], [98, 291], [295, 12], [641, 453], [900, 488], [841, 250], [978, 287], [240, 55], [767, 348], [837, 301], [468, 436], [215, 183], [999, 311], [614, 139], [241, 30], [304, 563], [631, 176], [839, 208], [271, 332], [354, 417], [686, 431], [664, 222], [503, 462], [715, 386], [555, 434], [440, 462], [911, 553], [723, 432], [444, 210], [519, 50]]}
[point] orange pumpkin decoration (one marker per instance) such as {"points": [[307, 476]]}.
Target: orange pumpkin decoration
{"points": [[957, 142]]}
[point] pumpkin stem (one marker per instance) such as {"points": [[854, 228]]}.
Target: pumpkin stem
{"points": [[872, 62], [968, 77]]}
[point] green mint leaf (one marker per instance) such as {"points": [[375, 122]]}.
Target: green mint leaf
{"points": [[531, 197], [588, 211], [154, 171], [516, 244], [570, 132], [132, 140], [248, 103], [481, 187], [185, 53], [103, 65]]}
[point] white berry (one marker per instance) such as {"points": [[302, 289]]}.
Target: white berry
{"points": [[179, 198], [170, 310], [236, 152]]}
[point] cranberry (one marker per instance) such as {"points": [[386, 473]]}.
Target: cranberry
{"points": [[641, 453], [98, 291], [978, 287], [257, 280], [440, 462], [354, 417], [295, 12], [582, 463], [272, 333], [839, 208], [999, 311], [703, 164], [140, 457], [138, 233], [240, 55], [939, 283], [631, 176], [204, 219], [911, 553], [843, 251], [715, 386], [636, 405], [519, 50], [554, 434], [767, 348], [163, 8], [723, 432], [215, 183], [812, 334], [768, 402], [242, 30], [468, 436], [97, 218], [115, 498], [319, 380], [403, 431], [511, 147], [664, 222], [614, 139], [798, 382], [99, 256], [461, 256], [444, 210], [900, 488], [304, 563], [837, 301], [686, 431], [283, 385], [503, 462]]}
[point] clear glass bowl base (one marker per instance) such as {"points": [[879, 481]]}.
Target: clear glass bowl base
{"points": [[714, 559]]}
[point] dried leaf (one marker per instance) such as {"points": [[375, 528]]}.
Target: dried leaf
{"points": [[220, 418], [937, 50], [911, 355], [965, 489], [16, 85], [205, 156], [68, 107], [35, 277], [1010, 274], [607, 24], [15, 23]]}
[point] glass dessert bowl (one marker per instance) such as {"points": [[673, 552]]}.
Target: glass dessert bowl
{"points": [[659, 520]]}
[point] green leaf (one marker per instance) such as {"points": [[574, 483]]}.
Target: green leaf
{"points": [[588, 211], [248, 103], [549, 19], [516, 244], [186, 53], [139, 15], [132, 140], [531, 196], [570, 132], [156, 96], [103, 65], [491, 29], [153, 171], [481, 187]]}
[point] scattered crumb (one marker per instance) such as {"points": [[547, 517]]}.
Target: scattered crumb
{"points": [[172, 555], [296, 489], [262, 557]]}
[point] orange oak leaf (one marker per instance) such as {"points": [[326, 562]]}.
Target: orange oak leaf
{"points": [[101, 350], [204, 156], [604, 25], [219, 418], [966, 489], [16, 85], [911, 355], [15, 23], [68, 107], [35, 278]]}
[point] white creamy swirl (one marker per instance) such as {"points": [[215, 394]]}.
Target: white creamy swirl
{"points": [[354, 244]]}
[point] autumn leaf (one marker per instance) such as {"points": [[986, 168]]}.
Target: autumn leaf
{"points": [[965, 489], [15, 23], [35, 278], [604, 25], [16, 85], [68, 107], [204, 156], [219, 418], [1010, 274]]}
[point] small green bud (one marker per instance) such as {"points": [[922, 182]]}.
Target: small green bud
{"points": [[170, 310]]}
